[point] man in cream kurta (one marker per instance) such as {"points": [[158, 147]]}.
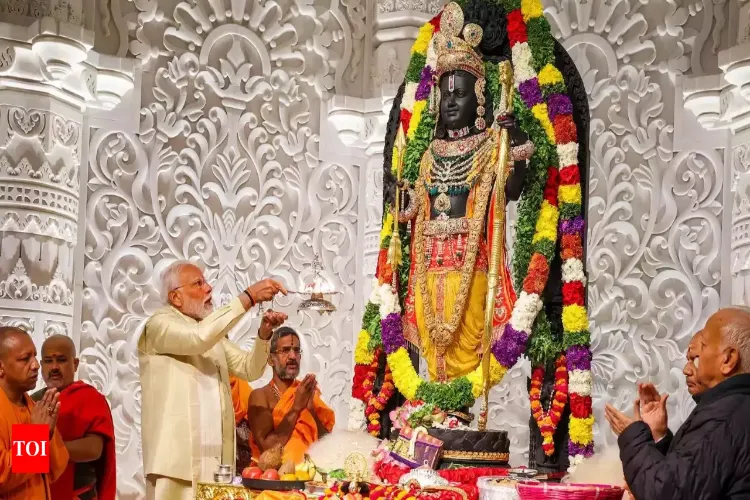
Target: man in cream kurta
{"points": [[186, 358]]}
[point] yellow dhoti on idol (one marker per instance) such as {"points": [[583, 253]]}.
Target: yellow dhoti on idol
{"points": [[445, 304]]}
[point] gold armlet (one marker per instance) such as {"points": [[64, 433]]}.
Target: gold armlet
{"points": [[410, 211], [522, 152]]}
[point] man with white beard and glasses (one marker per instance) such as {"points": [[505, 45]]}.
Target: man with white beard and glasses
{"points": [[186, 358], [287, 412]]}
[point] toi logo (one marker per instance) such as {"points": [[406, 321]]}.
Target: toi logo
{"points": [[30, 449]]}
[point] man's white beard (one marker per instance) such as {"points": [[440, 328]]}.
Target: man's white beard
{"points": [[285, 374], [197, 310]]}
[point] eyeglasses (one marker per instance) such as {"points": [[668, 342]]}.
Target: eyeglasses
{"points": [[286, 351], [200, 283]]}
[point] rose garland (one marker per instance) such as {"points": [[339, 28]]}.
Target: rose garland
{"points": [[376, 402], [548, 420], [552, 196]]}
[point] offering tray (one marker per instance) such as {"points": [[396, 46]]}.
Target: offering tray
{"points": [[271, 485]]}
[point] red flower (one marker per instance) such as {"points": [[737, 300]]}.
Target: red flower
{"points": [[565, 129], [573, 293], [405, 119], [536, 280], [572, 247], [580, 406], [516, 28], [570, 175], [550, 188]]}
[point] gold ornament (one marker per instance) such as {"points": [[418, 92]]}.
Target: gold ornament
{"points": [[453, 52], [442, 203]]}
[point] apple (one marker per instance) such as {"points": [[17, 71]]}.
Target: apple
{"points": [[252, 473], [271, 475]]}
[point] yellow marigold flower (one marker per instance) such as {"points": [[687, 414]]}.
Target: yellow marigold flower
{"points": [[387, 228], [531, 9], [570, 194], [581, 430], [416, 117], [475, 378], [362, 355], [406, 379], [550, 75], [575, 319], [497, 372], [546, 226], [540, 113], [423, 39]]}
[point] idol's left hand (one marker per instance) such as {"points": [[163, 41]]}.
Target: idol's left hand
{"points": [[517, 136], [271, 320]]}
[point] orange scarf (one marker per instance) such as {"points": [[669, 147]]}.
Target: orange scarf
{"points": [[305, 431], [240, 397]]}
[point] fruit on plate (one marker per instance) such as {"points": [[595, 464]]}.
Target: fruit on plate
{"points": [[288, 477], [287, 468], [270, 475], [271, 459], [302, 476], [252, 473], [306, 469]]}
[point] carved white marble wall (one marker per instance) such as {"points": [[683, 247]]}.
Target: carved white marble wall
{"points": [[740, 259], [655, 208], [51, 84], [227, 167], [238, 160], [39, 164]]}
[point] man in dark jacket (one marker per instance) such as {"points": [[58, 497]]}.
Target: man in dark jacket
{"points": [[709, 456]]}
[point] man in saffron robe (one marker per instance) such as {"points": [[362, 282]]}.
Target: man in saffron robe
{"points": [[85, 425], [19, 371], [287, 412]]}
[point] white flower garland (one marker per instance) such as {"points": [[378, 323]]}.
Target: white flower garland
{"points": [[525, 311], [522, 68], [572, 270], [568, 154], [579, 382], [410, 96]]}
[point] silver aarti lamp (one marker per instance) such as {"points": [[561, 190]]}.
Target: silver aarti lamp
{"points": [[317, 290]]}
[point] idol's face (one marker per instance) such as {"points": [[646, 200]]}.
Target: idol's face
{"points": [[458, 100]]}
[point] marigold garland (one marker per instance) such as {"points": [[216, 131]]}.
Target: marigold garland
{"points": [[552, 196], [548, 420], [376, 402]]}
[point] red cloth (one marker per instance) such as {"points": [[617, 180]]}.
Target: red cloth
{"points": [[83, 410]]}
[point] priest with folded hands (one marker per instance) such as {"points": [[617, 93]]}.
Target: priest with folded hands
{"points": [[287, 412]]}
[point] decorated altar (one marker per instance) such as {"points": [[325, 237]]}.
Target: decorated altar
{"points": [[484, 115]]}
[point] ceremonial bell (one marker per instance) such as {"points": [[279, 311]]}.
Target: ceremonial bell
{"points": [[317, 291]]}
